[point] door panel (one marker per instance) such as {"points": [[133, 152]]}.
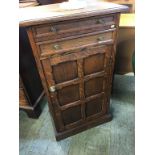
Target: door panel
{"points": [[72, 115], [93, 86], [65, 71], [68, 94], [79, 82], [95, 63], [93, 107]]}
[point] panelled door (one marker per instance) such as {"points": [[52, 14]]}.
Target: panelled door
{"points": [[78, 83]]}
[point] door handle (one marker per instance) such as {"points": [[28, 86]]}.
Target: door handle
{"points": [[52, 89]]}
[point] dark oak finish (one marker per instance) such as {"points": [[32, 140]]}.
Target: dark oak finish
{"points": [[30, 87], [76, 68], [32, 109], [71, 28]]}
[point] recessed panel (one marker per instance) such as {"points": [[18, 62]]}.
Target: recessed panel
{"points": [[94, 106], [65, 71], [71, 115], [93, 86], [93, 64], [68, 94]]}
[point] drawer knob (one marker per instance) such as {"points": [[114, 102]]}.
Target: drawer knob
{"points": [[53, 29], [52, 89], [100, 38], [101, 21], [112, 26], [57, 47]]}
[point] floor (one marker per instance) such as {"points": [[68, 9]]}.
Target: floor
{"points": [[36, 137]]}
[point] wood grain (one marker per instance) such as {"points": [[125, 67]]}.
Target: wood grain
{"points": [[77, 69]]}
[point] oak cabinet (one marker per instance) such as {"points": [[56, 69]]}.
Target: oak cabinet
{"points": [[75, 55]]}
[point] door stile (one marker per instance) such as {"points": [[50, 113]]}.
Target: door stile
{"points": [[53, 94], [81, 87]]}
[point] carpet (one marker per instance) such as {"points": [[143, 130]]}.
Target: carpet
{"points": [[36, 136]]}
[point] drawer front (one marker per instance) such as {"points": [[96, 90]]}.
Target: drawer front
{"points": [[22, 98], [78, 83], [70, 28], [68, 45]]}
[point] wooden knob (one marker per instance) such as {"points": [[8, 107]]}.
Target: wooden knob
{"points": [[57, 47], [53, 29], [101, 21]]}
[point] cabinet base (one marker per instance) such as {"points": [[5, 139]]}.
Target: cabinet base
{"points": [[83, 127]]}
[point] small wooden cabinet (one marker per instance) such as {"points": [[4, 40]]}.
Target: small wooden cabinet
{"points": [[75, 55]]}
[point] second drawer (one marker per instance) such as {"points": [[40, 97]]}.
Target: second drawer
{"points": [[66, 45]]}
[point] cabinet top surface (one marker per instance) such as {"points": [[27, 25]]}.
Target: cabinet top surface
{"points": [[52, 13]]}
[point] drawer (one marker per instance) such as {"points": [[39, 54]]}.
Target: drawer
{"points": [[22, 98], [68, 45], [83, 54], [56, 31]]}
